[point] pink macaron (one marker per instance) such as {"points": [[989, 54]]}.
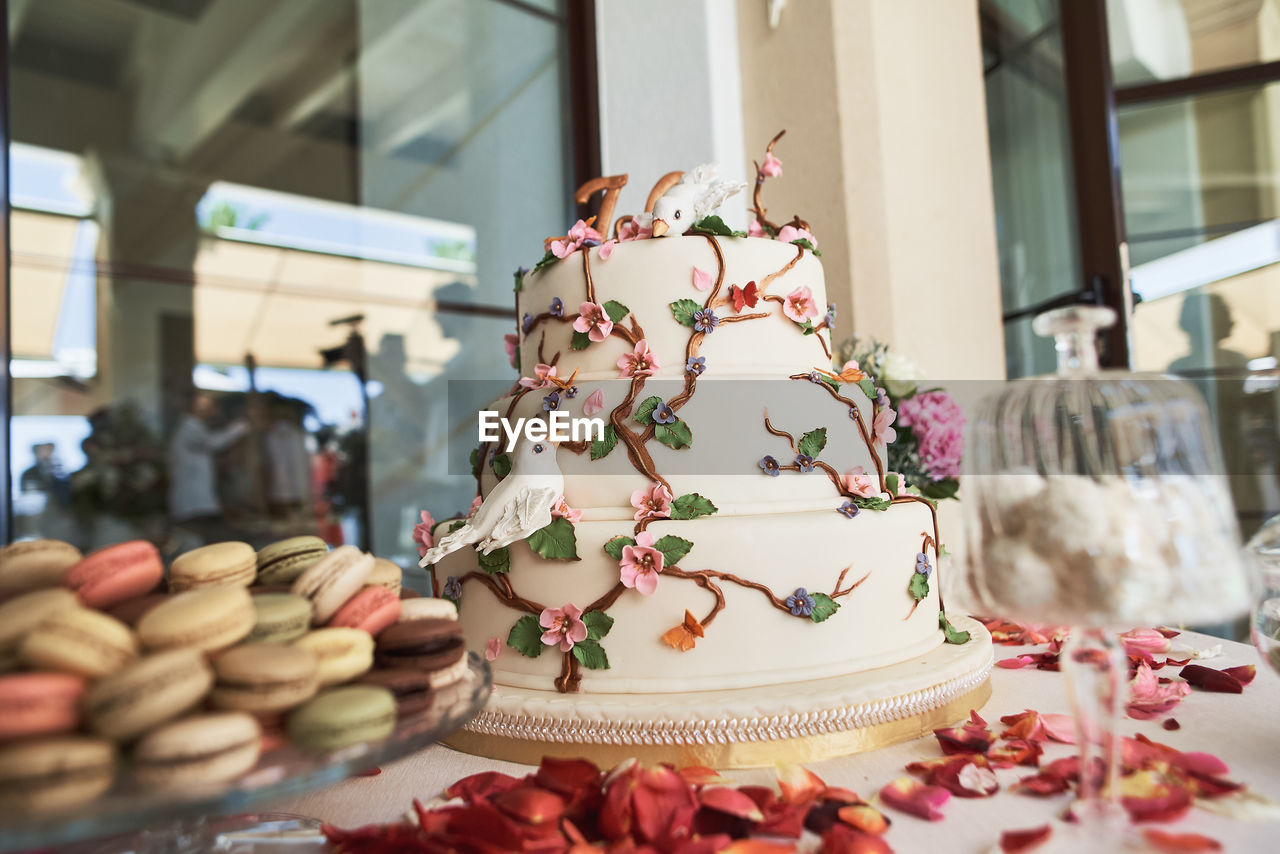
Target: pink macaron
{"points": [[39, 703], [112, 575], [372, 609]]}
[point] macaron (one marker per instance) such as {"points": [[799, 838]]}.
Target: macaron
{"points": [[131, 611], [208, 619], [116, 573], [342, 654], [77, 640], [282, 562], [372, 609], [33, 564], [430, 644], [279, 617], [23, 613], [215, 565], [55, 772], [265, 678], [39, 704], [386, 574], [155, 689], [427, 608], [411, 688], [332, 580], [208, 748], [343, 716]]}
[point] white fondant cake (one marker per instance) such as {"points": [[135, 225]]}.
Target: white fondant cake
{"points": [[776, 548]]}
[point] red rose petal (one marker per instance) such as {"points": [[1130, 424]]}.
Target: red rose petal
{"points": [[1208, 679], [1015, 752], [754, 846], [798, 784], [1017, 841], [842, 839], [967, 780], [1169, 633], [916, 798], [730, 801], [864, 817], [567, 776], [486, 784], [530, 805], [1179, 843], [1042, 785], [1244, 673], [1171, 724], [701, 775], [1015, 663]]}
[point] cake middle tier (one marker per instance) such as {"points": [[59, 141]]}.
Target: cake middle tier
{"points": [[647, 276], [728, 440]]}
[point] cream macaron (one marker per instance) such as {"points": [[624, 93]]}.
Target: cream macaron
{"points": [[80, 641], [341, 654], [208, 619], [201, 749], [332, 580], [147, 693], [33, 564], [233, 564]]}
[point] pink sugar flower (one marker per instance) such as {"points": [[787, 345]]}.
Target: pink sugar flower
{"points": [[493, 648], [593, 320], [800, 305], [755, 229], [606, 249], [641, 564], [564, 626], [475, 505], [511, 340], [881, 431], [772, 166], [594, 403], [860, 483], [633, 230], [562, 510], [788, 233], [422, 533], [541, 377], [652, 503], [938, 424], [580, 234], [640, 362]]}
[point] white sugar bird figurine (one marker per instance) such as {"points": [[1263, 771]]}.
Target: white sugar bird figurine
{"points": [[697, 195], [518, 506]]}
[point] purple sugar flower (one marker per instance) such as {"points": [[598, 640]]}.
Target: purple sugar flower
{"points": [[705, 320], [769, 466], [663, 414], [452, 588], [557, 307], [800, 603], [815, 377], [831, 315], [805, 462], [923, 565], [571, 392], [696, 365], [848, 510], [551, 402], [526, 322]]}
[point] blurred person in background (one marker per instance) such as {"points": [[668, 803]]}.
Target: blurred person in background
{"points": [[193, 493]]}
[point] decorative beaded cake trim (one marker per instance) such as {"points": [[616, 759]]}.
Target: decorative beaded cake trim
{"points": [[730, 730]]}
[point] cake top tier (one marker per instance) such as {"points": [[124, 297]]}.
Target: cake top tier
{"points": [[610, 310]]}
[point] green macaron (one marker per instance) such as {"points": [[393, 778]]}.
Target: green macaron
{"points": [[343, 716], [279, 618], [282, 562]]}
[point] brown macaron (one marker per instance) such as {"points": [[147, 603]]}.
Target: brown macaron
{"points": [[429, 645], [412, 688]]}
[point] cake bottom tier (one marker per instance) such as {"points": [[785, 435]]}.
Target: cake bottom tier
{"points": [[753, 565], [744, 728]]}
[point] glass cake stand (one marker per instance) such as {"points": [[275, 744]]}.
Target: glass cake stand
{"points": [[132, 818]]}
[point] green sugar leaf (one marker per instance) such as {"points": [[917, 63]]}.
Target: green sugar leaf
{"points": [[519, 280], [940, 489], [600, 448], [891, 483], [644, 412], [831, 381], [714, 225], [526, 637], [823, 607], [616, 310], [876, 503], [952, 634], [675, 435], [673, 549], [556, 541], [598, 624], [614, 546], [548, 259], [804, 241], [684, 310], [501, 465], [495, 562], [580, 341], [475, 462], [868, 387], [691, 506], [919, 586], [812, 443], [808, 327], [591, 655]]}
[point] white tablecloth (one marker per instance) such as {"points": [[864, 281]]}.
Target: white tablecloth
{"points": [[1243, 730]]}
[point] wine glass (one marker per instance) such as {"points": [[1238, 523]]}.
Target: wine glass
{"points": [[1096, 499], [1264, 550]]}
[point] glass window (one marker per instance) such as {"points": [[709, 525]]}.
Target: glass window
{"points": [[242, 276], [1170, 39]]}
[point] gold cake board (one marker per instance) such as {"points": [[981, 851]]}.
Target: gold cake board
{"points": [[839, 717]]}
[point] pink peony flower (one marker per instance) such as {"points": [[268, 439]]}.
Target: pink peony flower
{"points": [[561, 509], [860, 483], [511, 340], [593, 320], [772, 166], [755, 229], [422, 533], [640, 362], [606, 249], [633, 230], [652, 503], [938, 424], [594, 403], [641, 564], [580, 234], [541, 377], [475, 505], [1139, 641], [564, 626], [881, 433], [788, 233], [492, 649], [800, 305], [701, 279]]}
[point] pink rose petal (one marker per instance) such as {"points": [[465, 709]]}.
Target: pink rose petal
{"points": [[701, 279], [916, 798], [594, 403]]}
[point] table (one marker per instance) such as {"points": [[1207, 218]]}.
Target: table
{"points": [[1243, 730]]}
